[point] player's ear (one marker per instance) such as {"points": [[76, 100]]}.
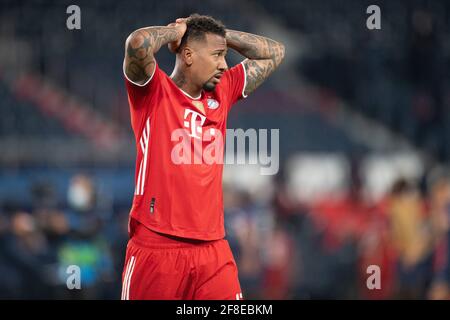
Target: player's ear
{"points": [[186, 54]]}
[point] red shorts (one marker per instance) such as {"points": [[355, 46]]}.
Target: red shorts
{"points": [[160, 267]]}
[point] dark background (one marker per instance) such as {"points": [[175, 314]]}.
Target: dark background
{"points": [[364, 127]]}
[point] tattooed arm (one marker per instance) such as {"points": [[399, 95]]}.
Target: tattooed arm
{"points": [[141, 46], [263, 55]]}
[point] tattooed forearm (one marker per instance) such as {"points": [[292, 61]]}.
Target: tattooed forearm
{"points": [[264, 56], [140, 48], [255, 47]]}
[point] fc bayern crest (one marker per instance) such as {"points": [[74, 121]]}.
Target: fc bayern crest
{"points": [[213, 104]]}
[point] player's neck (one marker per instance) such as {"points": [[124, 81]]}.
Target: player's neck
{"points": [[179, 78]]}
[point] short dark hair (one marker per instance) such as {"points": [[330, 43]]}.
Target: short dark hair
{"points": [[198, 25]]}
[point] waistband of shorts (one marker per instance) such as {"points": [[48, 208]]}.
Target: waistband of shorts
{"points": [[145, 237]]}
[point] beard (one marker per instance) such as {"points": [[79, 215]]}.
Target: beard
{"points": [[209, 86]]}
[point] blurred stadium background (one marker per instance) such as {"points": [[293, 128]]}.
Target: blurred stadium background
{"points": [[364, 128]]}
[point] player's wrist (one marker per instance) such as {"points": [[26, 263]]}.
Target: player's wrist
{"points": [[180, 27]]}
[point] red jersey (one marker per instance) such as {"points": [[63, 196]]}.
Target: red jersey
{"points": [[178, 192]]}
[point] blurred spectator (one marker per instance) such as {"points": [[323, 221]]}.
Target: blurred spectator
{"points": [[439, 206], [26, 251], [245, 238], [85, 244], [411, 237]]}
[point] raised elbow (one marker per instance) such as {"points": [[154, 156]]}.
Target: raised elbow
{"points": [[136, 40]]}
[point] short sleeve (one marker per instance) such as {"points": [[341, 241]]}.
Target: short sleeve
{"points": [[138, 94], [234, 82]]}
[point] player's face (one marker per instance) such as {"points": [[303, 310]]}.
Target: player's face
{"points": [[209, 63]]}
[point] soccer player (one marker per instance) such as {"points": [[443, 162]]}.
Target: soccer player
{"points": [[177, 248]]}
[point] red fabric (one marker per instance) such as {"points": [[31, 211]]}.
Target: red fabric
{"points": [[183, 200], [441, 255], [341, 219], [383, 256], [162, 268]]}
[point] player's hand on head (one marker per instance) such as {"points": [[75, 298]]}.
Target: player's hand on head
{"points": [[181, 26]]}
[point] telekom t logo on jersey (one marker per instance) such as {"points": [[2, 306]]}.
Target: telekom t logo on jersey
{"points": [[195, 144], [195, 123]]}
